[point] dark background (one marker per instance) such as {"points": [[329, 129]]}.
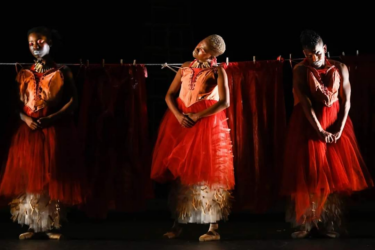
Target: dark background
{"points": [[167, 31], [160, 31]]}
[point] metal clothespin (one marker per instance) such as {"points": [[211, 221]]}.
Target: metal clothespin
{"points": [[254, 59], [227, 61], [134, 62]]}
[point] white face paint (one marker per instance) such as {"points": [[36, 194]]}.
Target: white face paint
{"points": [[316, 56], [38, 45], [43, 51]]}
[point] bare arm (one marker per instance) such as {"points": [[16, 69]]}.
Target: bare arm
{"points": [[70, 106], [301, 90], [70, 87], [170, 98], [345, 92]]}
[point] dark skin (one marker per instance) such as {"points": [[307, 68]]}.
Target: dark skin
{"points": [[39, 46], [203, 54], [316, 58]]}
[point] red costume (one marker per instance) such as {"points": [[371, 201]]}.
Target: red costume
{"points": [[42, 165], [201, 157], [314, 169]]}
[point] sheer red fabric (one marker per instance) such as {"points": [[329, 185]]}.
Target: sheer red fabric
{"points": [[45, 160], [198, 155], [314, 169]]}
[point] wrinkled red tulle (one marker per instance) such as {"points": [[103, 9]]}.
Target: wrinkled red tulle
{"points": [[201, 154], [312, 167], [44, 160]]}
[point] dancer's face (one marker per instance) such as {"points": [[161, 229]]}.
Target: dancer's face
{"points": [[316, 57], [39, 45], [201, 52]]}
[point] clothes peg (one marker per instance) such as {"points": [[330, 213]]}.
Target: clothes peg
{"points": [[329, 56], [227, 61], [343, 53], [254, 59], [134, 62], [290, 60], [121, 62], [357, 52], [87, 63], [18, 64], [103, 62]]}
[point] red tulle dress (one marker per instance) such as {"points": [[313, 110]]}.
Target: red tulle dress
{"points": [[313, 170], [199, 159], [43, 167]]}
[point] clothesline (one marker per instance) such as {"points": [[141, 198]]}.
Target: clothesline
{"points": [[148, 64], [78, 64]]}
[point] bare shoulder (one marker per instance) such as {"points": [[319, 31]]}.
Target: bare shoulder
{"points": [[220, 70], [339, 65], [299, 69], [64, 68], [66, 71]]}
